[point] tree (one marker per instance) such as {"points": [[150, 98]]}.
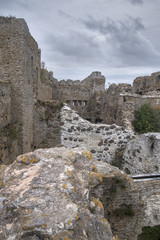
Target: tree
{"points": [[146, 120]]}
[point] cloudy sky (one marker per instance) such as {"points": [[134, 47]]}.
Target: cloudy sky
{"points": [[120, 38]]}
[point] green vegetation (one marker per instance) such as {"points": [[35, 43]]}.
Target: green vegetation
{"points": [[92, 209], [42, 118], [146, 120], [150, 233], [15, 130], [120, 181], [117, 182], [124, 211]]}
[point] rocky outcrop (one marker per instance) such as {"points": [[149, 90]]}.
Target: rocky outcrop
{"points": [[47, 194], [142, 154]]}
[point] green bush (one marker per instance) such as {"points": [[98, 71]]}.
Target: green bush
{"points": [[150, 233], [124, 211], [146, 120]]}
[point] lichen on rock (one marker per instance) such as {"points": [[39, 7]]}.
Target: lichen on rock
{"points": [[51, 198]]}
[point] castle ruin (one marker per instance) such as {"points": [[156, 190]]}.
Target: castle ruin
{"points": [[31, 98]]}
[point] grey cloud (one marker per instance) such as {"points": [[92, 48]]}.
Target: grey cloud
{"points": [[126, 40], [119, 28], [74, 47], [67, 16], [134, 2]]}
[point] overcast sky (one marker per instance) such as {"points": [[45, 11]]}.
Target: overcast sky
{"points": [[120, 38]]}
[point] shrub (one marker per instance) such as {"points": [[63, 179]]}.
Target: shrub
{"points": [[146, 120], [124, 211], [120, 181], [149, 233]]}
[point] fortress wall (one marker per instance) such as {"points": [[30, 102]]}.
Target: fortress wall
{"points": [[46, 124], [120, 102], [25, 78], [147, 83], [100, 139], [45, 85], [114, 103], [81, 95], [70, 90], [5, 73], [20, 63], [5, 103]]}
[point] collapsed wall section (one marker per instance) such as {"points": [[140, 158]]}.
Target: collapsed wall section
{"points": [[102, 140]]}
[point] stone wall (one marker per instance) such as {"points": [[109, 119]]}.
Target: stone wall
{"points": [[20, 65], [121, 101], [146, 84], [5, 103], [115, 107], [122, 202], [8, 131], [45, 85], [80, 95], [149, 191], [46, 124], [102, 140], [141, 155]]}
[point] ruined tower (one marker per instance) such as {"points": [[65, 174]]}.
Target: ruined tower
{"points": [[19, 68]]}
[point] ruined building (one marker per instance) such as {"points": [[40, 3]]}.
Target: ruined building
{"points": [[33, 115], [31, 98]]}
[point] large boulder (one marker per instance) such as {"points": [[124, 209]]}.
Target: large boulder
{"points": [[47, 194]]}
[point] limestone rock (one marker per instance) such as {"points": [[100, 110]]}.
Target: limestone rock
{"points": [[142, 154], [46, 194]]}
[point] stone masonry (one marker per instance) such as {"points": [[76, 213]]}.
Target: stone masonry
{"points": [[28, 93], [80, 95], [101, 139]]}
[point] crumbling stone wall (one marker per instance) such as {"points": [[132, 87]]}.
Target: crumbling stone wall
{"points": [[81, 95], [102, 140], [142, 85], [22, 82], [47, 124], [121, 101], [20, 65], [116, 108], [149, 191], [141, 155], [5, 103], [122, 202], [45, 85]]}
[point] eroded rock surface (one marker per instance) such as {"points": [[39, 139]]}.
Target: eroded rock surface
{"points": [[142, 154], [46, 194]]}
